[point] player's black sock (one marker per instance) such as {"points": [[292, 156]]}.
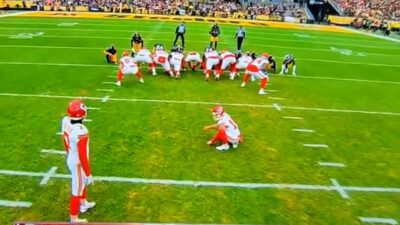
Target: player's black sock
{"points": [[108, 58]]}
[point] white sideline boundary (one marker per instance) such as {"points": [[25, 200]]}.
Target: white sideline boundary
{"points": [[111, 66], [108, 98], [378, 220], [15, 204], [303, 130], [331, 164], [215, 184], [369, 34], [48, 175]]}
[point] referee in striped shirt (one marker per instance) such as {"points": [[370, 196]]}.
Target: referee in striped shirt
{"points": [[180, 32], [240, 35]]}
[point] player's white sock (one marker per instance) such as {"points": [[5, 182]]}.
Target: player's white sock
{"points": [[154, 71], [223, 147], [118, 83], [141, 80], [232, 76], [252, 78], [283, 69], [243, 84], [217, 76], [294, 70]]}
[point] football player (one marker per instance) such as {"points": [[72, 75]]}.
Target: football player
{"points": [[210, 59], [176, 60], [271, 65], [255, 69], [288, 61], [214, 32], [228, 59], [242, 62], [111, 54], [76, 143], [227, 130], [144, 56], [127, 66], [160, 56], [193, 60], [137, 42]]}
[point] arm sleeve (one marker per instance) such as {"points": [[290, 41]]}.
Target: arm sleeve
{"points": [[82, 151]]}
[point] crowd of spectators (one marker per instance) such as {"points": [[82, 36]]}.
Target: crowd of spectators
{"points": [[379, 9], [217, 8]]}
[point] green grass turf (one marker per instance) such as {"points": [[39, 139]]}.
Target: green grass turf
{"points": [[166, 141]]}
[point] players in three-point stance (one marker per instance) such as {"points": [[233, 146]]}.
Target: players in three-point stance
{"points": [[288, 61], [127, 66], [255, 69], [228, 132], [176, 60], [210, 59], [160, 57], [76, 144], [193, 60]]}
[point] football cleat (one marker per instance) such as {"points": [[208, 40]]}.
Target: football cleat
{"points": [[294, 74], [262, 92], [118, 83], [243, 84], [232, 76], [252, 78], [207, 77], [86, 206], [223, 147], [78, 220], [217, 77], [235, 145], [141, 80]]}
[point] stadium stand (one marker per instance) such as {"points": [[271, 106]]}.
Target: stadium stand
{"points": [[379, 9]]}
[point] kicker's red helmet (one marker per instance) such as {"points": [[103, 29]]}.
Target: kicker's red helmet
{"points": [[76, 110]]}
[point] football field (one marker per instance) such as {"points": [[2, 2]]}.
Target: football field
{"points": [[320, 148]]}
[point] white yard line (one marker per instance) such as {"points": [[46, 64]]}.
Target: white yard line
{"points": [[108, 98], [8, 203], [59, 133], [87, 120], [303, 130], [272, 90], [48, 175], [344, 79], [105, 90], [53, 151], [156, 29], [316, 145], [111, 76], [277, 107], [339, 189], [105, 98], [292, 118], [330, 164], [192, 183], [378, 220], [106, 82], [276, 98], [93, 108]]}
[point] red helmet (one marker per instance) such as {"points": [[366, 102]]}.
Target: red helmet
{"points": [[125, 53], [217, 112], [76, 110]]}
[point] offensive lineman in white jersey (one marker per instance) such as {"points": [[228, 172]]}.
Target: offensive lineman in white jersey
{"points": [[227, 59], [193, 57], [144, 56], [127, 66], [228, 132], [255, 69], [176, 60], [211, 59], [76, 144], [242, 62], [160, 56]]}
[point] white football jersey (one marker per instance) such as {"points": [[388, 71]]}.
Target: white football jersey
{"points": [[211, 54], [127, 61], [72, 134], [231, 128], [245, 59]]}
